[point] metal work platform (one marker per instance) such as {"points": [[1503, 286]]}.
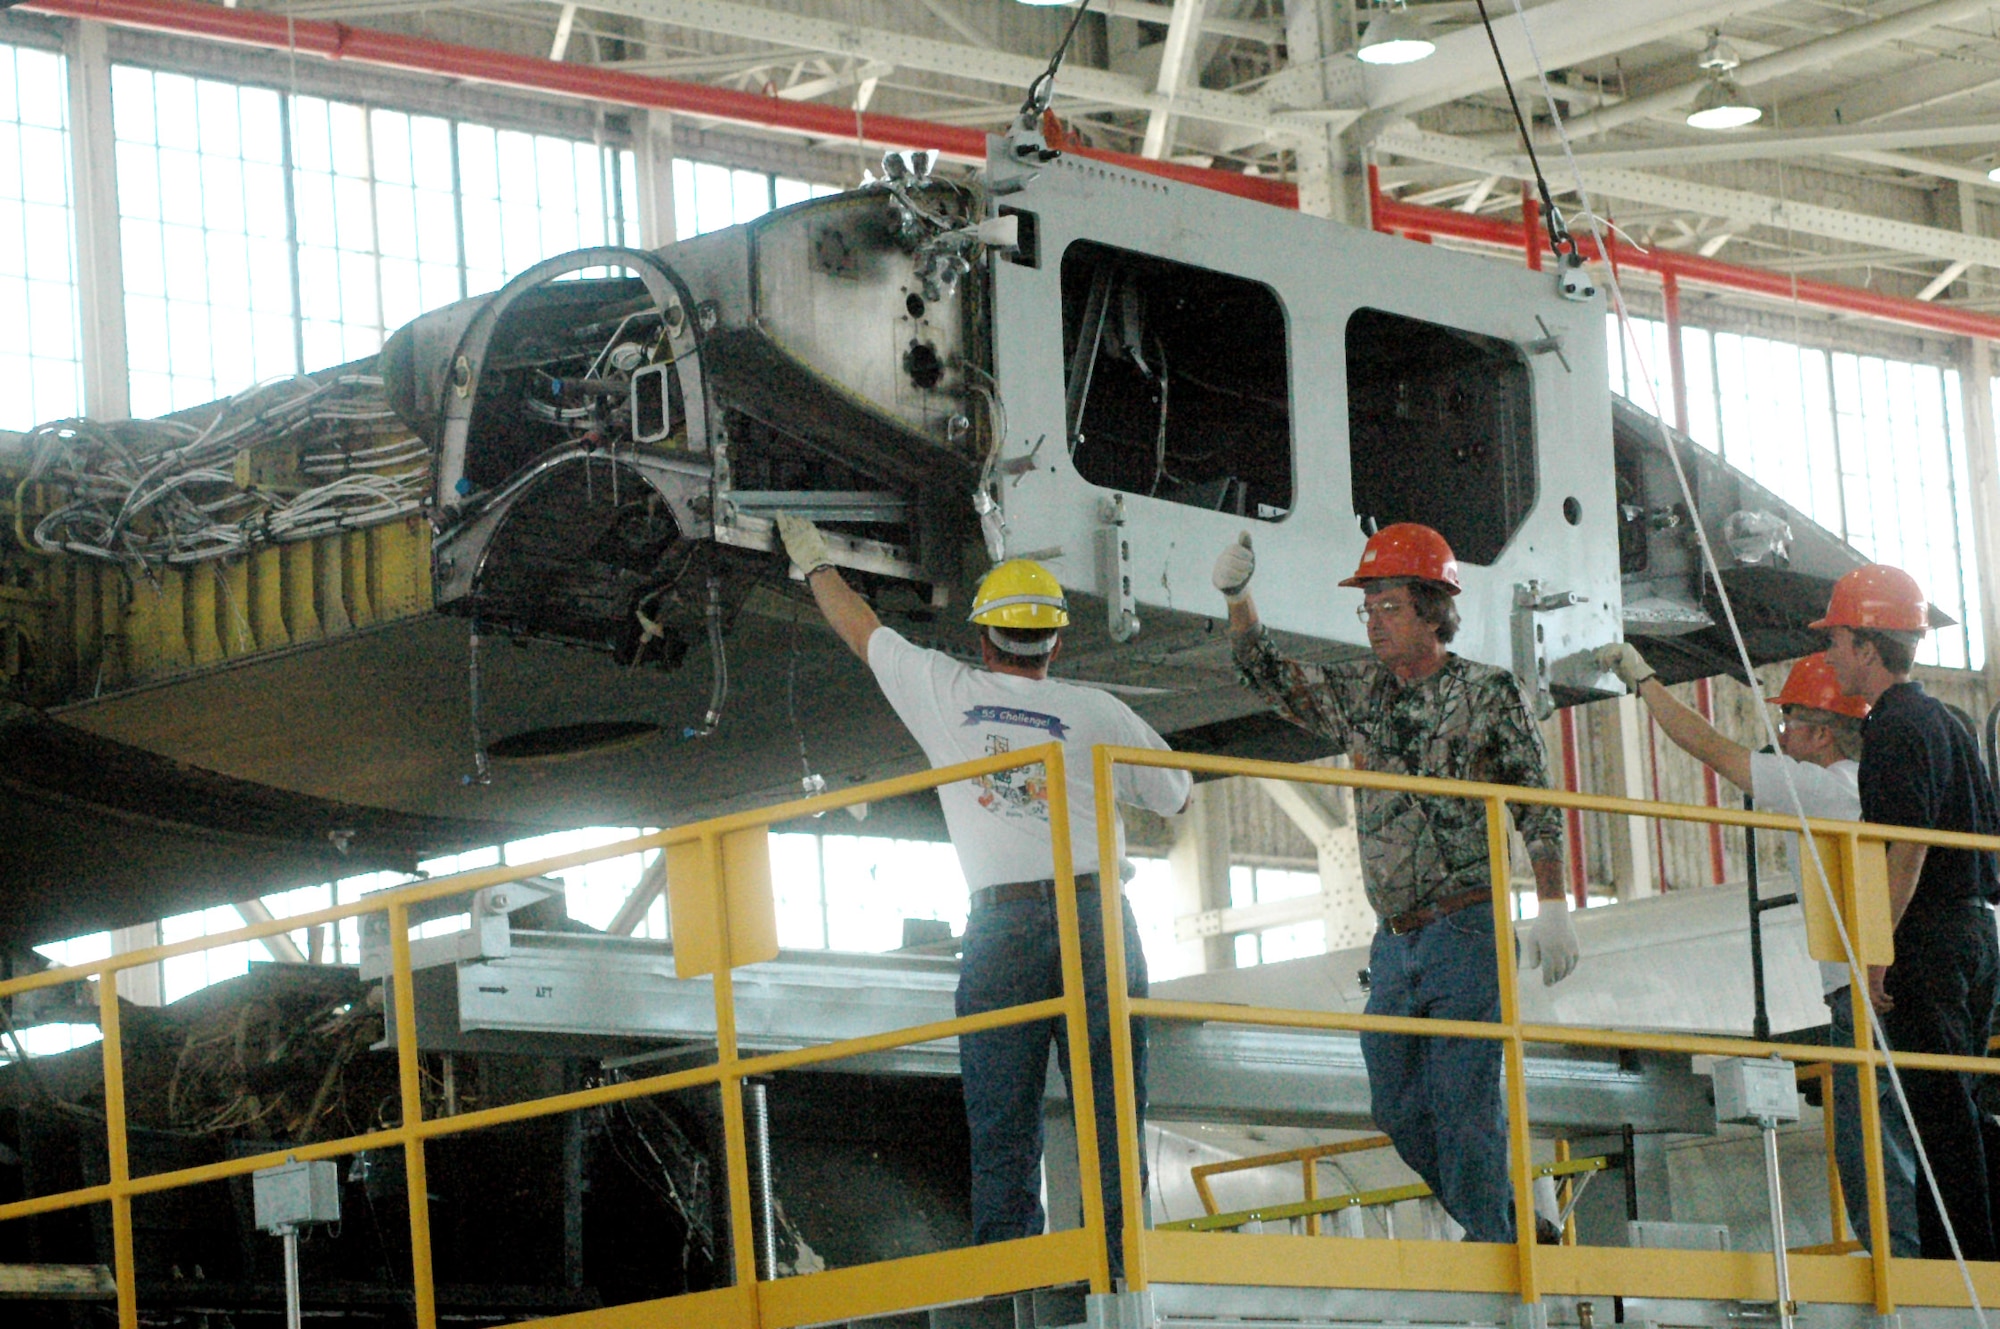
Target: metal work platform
{"points": [[501, 986], [1196, 1306]]}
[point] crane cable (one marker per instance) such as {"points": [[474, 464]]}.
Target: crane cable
{"points": [[1709, 563]]}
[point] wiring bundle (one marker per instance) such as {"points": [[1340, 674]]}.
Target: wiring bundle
{"points": [[285, 460]]}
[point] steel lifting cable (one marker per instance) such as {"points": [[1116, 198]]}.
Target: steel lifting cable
{"points": [[1043, 88], [1713, 569]]}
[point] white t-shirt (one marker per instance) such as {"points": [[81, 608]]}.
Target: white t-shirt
{"points": [[1000, 823], [1829, 793]]}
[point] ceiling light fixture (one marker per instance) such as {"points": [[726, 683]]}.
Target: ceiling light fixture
{"points": [[1392, 37], [1994, 175], [1721, 103]]}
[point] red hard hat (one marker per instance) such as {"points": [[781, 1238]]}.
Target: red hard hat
{"points": [[1877, 596], [1407, 550], [1811, 684]]}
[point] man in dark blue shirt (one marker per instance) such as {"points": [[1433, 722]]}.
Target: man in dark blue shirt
{"points": [[1919, 767]]}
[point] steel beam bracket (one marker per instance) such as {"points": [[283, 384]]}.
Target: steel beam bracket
{"points": [[1114, 570]]}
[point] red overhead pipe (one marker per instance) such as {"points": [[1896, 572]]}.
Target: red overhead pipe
{"points": [[338, 41], [1531, 231], [1392, 215], [368, 46]]}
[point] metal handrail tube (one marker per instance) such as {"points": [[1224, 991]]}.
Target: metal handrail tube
{"points": [[1510, 1030], [728, 1072], [1508, 793], [476, 879], [730, 1069]]}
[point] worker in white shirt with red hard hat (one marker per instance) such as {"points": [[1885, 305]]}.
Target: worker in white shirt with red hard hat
{"points": [[999, 826], [1820, 738]]}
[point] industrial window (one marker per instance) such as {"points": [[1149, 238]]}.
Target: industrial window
{"points": [[41, 374], [708, 197], [377, 233], [1873, 449], [1441, 430], [532, 196], [207, 266], [1261, 885], [265, 233], [1177, 382]]}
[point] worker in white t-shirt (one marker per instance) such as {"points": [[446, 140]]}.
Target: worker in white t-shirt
{"points": [[1821, 738], [1000, 827]]}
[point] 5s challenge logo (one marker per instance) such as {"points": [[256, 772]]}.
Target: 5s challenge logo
{"points": [[1024, 791]]}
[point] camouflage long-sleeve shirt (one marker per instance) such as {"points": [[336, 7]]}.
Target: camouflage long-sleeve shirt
{"points": [[1465, 722]]}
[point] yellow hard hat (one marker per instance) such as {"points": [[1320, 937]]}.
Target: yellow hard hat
{"points": [[1020, 594]]}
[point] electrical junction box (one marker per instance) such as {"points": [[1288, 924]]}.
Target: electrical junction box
{"points": [[293, 1195], [1755, 1090]]}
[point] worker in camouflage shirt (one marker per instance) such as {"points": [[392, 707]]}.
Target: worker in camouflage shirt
{"points": [[1417, 709]]}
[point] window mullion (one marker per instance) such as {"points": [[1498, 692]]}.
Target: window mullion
{"points": [[100, 270], [286, 165]]}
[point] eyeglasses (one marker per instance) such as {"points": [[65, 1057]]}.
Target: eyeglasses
{"points": [[1383, 609]]}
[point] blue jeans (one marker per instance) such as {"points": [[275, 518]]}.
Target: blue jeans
{"points": [[1439, 1100], [1012, 957], [1899, 1160]]}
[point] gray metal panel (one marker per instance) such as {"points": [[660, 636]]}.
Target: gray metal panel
{"points": [[1321, 273], [593, 995]]}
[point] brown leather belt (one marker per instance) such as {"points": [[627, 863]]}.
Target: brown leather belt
{"points": [[1007, 892], [1425, 915]]}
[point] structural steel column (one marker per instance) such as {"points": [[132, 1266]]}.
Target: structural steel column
{"points": [[1200, 864], [1982, 468], [1331, 181], [653, 155], [100, 267], [142, 984], [1632, 869], [1704, 693], [1579, 880]]}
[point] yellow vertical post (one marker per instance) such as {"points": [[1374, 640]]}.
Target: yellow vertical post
{"points": [[1311, 1187], [267, 597], [735, 1145], [1829, 1128], [354, 576], [1866, 1074], [199, 587], [299, 578], [1565, 1192], [1076, 1024], [1520, 1159], [119, 1159], [410, 1082], [234, 608]]}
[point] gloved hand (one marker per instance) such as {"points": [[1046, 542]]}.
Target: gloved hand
{"points": [[1552, 943], [1623, 659], [804, 543], [1234, 567]]}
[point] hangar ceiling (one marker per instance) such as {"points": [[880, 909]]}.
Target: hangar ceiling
{"points": [[1881, 118]]}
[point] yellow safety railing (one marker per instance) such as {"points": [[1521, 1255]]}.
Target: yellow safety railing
{"points": [[709, 853], [1564, 1168], [1526, 1269], [1842, 1243]]}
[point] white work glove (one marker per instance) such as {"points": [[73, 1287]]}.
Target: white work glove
{"points": [[1234, 567], [1623, 659], [804, 543], [1552, 942]]}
